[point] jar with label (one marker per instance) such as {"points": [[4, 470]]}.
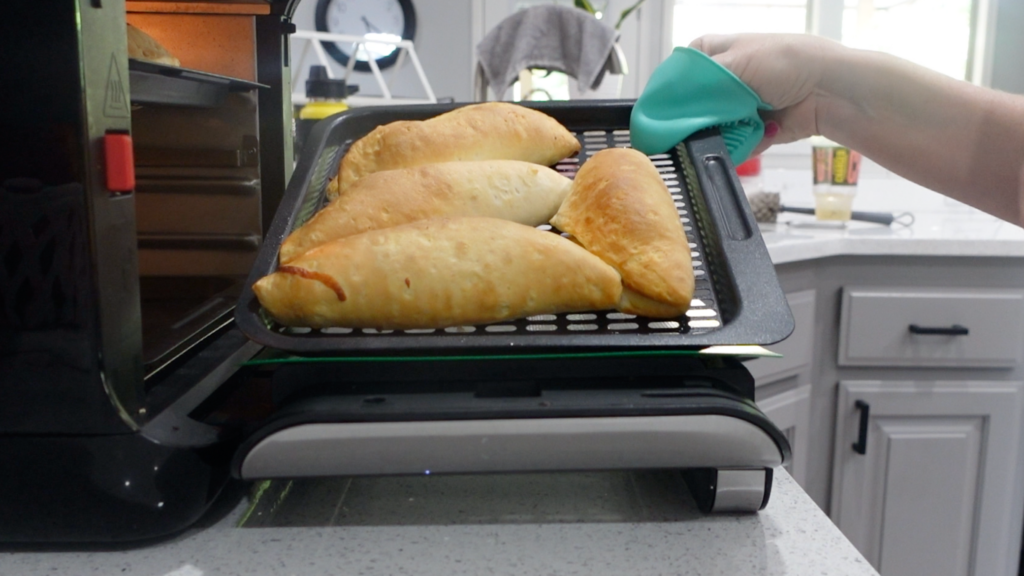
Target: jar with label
{"points": [[835, 169]]}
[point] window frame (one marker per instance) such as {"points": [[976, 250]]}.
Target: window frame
{"points": [[825, 18]]}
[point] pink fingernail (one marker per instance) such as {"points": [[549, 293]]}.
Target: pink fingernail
{"points": [[771, 128]]}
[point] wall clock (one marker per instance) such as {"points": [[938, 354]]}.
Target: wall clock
{"points": [[389, 18]]}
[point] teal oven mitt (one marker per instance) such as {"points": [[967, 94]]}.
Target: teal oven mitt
{"points": [[689, 92]]}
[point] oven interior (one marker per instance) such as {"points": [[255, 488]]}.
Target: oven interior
{"points": [[199, 219]]}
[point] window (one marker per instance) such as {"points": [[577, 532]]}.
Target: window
{"points": [[934, 33], [694, 18]]}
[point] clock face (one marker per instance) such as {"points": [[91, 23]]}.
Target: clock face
{"points": [[383, 19]]}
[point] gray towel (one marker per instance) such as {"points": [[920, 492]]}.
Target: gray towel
{"points": [[548, 36]]}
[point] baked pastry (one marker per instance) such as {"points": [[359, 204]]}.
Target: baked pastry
{"points": [[142, 46], [438, 273], [507, 189], [488, 131], [621, 210], [333, 188]]}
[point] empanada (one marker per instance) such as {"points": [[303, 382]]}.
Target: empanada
{"points": [[488, 131], [142, 46], [621, 210], [506, 189], [438, 273]]}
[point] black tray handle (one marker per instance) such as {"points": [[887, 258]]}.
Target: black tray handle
{"points": [[741, 241], [724, 198]]}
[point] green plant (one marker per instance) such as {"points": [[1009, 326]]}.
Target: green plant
{"points": [[589, 7]]}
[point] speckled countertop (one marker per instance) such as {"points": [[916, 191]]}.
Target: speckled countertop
{"points": [[942, 226], [587, 523]]}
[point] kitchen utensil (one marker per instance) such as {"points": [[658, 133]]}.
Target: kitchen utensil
{"points": [[767, 206]]}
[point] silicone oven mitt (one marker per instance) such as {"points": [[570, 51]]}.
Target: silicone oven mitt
{"points": [[689, 92]]}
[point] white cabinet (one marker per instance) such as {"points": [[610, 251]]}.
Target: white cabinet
{"points": [[933, 492], [791, 412], [931, 327], [790, 409]]}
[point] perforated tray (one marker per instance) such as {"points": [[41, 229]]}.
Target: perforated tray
{"points": [[737, 298]]}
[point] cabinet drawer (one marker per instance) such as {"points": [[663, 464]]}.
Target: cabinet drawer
{"points": [[917, 327], [797, 350]]}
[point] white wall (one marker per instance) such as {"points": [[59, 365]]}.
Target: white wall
{"points": [[442, 43]]}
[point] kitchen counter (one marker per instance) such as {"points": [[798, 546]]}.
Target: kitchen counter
{"points": [[587, 523], [863, 287], [615, 523], [942, 226]]}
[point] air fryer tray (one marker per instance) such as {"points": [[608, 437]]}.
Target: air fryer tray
{"points": [[156, 83], [737, 299]]}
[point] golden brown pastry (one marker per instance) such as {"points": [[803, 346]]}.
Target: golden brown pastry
{"points": [[438, 273], [507, 189], [142, 46], [333, 188], [620, 210], [488, 131]]}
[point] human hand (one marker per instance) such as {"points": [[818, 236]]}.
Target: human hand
{"points": [[786, 71]]}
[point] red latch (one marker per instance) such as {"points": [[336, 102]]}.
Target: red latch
{"points": [[120, 162]]}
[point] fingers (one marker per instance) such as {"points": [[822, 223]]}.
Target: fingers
{"points": [[773, 134], [712, 44], [780, 127], [793, 123], [761, 147]]}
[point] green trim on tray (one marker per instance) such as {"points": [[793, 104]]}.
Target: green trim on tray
{"points": [[751, 351]]}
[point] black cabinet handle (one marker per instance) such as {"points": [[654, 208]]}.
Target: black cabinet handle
{"points": [[954, 330], [861, 445]]}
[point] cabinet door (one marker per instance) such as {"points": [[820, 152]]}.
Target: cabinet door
{"points": [[935, 492], [791, 412]]}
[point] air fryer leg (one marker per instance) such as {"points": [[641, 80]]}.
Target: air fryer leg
{"points": [[729, 490]]}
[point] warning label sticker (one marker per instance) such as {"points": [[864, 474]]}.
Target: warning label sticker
{"points": [[115, 105]]}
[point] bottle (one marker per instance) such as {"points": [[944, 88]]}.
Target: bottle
{"points": [[324, 97]]}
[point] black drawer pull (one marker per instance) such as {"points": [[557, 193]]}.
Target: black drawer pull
{"points": [[954, 330], [861, 445]]}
